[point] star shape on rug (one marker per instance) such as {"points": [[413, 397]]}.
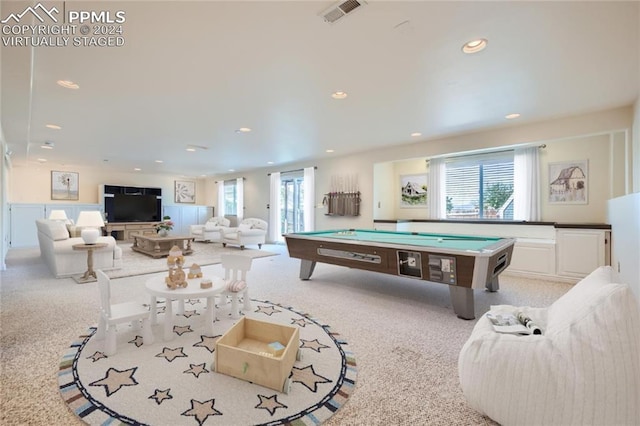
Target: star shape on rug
{"points": [[180, 330], [137, 341], [308, 377], [267, 310], [115, 379], [160, 395], [313, 344], [270, 403], [189, 314], [196, 369], [171, 354], [202, 410], [97, 356], [300, 322], [193, 301], [207, 342]]}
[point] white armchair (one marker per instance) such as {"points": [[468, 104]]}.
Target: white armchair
{"points": [[211, 230], [249, 231]]}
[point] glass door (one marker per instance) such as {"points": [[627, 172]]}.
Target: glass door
{"points": [[291, 208]]}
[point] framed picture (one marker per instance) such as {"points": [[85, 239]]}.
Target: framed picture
{"points": [[569, 182], [185, 191], [64, 186], [413, 191]]}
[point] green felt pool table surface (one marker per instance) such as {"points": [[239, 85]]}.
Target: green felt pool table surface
{"points": [[441, 241]]}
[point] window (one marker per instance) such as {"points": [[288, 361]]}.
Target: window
{"points": [[480, 186], [230, 198]]}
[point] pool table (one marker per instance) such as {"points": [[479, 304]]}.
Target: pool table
{"points": [[462, 262]]}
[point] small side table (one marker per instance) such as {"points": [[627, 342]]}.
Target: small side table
{"points": [[90, 275]]}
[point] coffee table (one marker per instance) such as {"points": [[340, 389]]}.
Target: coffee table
{"points": [[156, 246], [157, 287]]}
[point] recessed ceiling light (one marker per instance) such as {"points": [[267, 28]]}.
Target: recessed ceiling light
{"points": [[474, 46], [232, 170], [339, 95], [269, 162], [68, 84], [159, 161], [243, 130], [137, 169], [53, 126], [512, 116], [47, 145], [190, 149], [42, 160], [416, 134], [329, 150]]}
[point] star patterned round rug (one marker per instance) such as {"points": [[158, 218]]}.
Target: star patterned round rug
{"points": [[173, 382]]}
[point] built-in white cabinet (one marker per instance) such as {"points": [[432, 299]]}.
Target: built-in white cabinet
{"points": [[22, 220], [581, 251], [557, 251], [184, 215]]}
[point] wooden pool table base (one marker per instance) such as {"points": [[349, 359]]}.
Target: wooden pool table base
{"points": [[462, 298], [462, 270]]}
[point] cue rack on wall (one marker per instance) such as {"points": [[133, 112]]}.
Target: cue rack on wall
{"points": [[343, 199]]}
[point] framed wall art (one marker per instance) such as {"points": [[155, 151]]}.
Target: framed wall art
{"points": [[569, 182], [413, 191], [64, 186], [185, 191]]}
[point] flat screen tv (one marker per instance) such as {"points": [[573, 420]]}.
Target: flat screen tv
{"points": [[135, 208]]}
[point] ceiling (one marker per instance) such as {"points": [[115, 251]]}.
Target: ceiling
{"points": [[193, 73]]}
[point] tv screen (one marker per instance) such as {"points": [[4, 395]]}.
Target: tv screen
{"points": [[135, 208]]}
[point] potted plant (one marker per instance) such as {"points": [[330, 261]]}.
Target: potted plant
{"points": [[165, 226]]}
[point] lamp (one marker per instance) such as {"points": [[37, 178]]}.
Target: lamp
{"points": [[90, 221], [58, 215]]}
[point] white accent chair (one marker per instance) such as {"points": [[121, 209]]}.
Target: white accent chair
{"points": [[211, 230], [584, 369], [249, 231], [235, 268], [110, 315]]}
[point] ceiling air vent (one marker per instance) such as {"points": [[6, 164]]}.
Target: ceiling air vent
{"points": [[341, 9]]}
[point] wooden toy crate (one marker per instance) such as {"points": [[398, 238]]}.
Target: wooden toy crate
{"points": [[243, 352]]}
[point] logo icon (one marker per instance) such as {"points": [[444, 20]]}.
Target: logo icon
{"points": [[36, 11]]}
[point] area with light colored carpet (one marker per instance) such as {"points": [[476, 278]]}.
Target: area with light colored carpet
{"points": [[403, 333]]}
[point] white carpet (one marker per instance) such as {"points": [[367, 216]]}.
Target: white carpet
{"points": [[403, 332]]}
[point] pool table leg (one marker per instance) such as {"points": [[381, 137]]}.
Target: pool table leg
{"points": [[462, 301], [493, 285], [306, 269]]}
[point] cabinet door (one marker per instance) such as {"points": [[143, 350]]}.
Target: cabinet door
{"points": [[581, 251], [189, 217], [24, 232]]}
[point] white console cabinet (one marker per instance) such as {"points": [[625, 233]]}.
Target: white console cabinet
{"points": [[581, 251]]}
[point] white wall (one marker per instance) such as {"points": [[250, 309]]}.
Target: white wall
{"points": [[4, 207], [32, 184], [624, 216], [564, 143], [636, 145]]}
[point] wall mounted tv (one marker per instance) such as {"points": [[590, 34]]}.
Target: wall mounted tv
{"points": [[135, 208]]}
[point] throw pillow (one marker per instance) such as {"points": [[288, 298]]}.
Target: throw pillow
{"points": [[58, 230], [234, 286], [244, 227]]}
